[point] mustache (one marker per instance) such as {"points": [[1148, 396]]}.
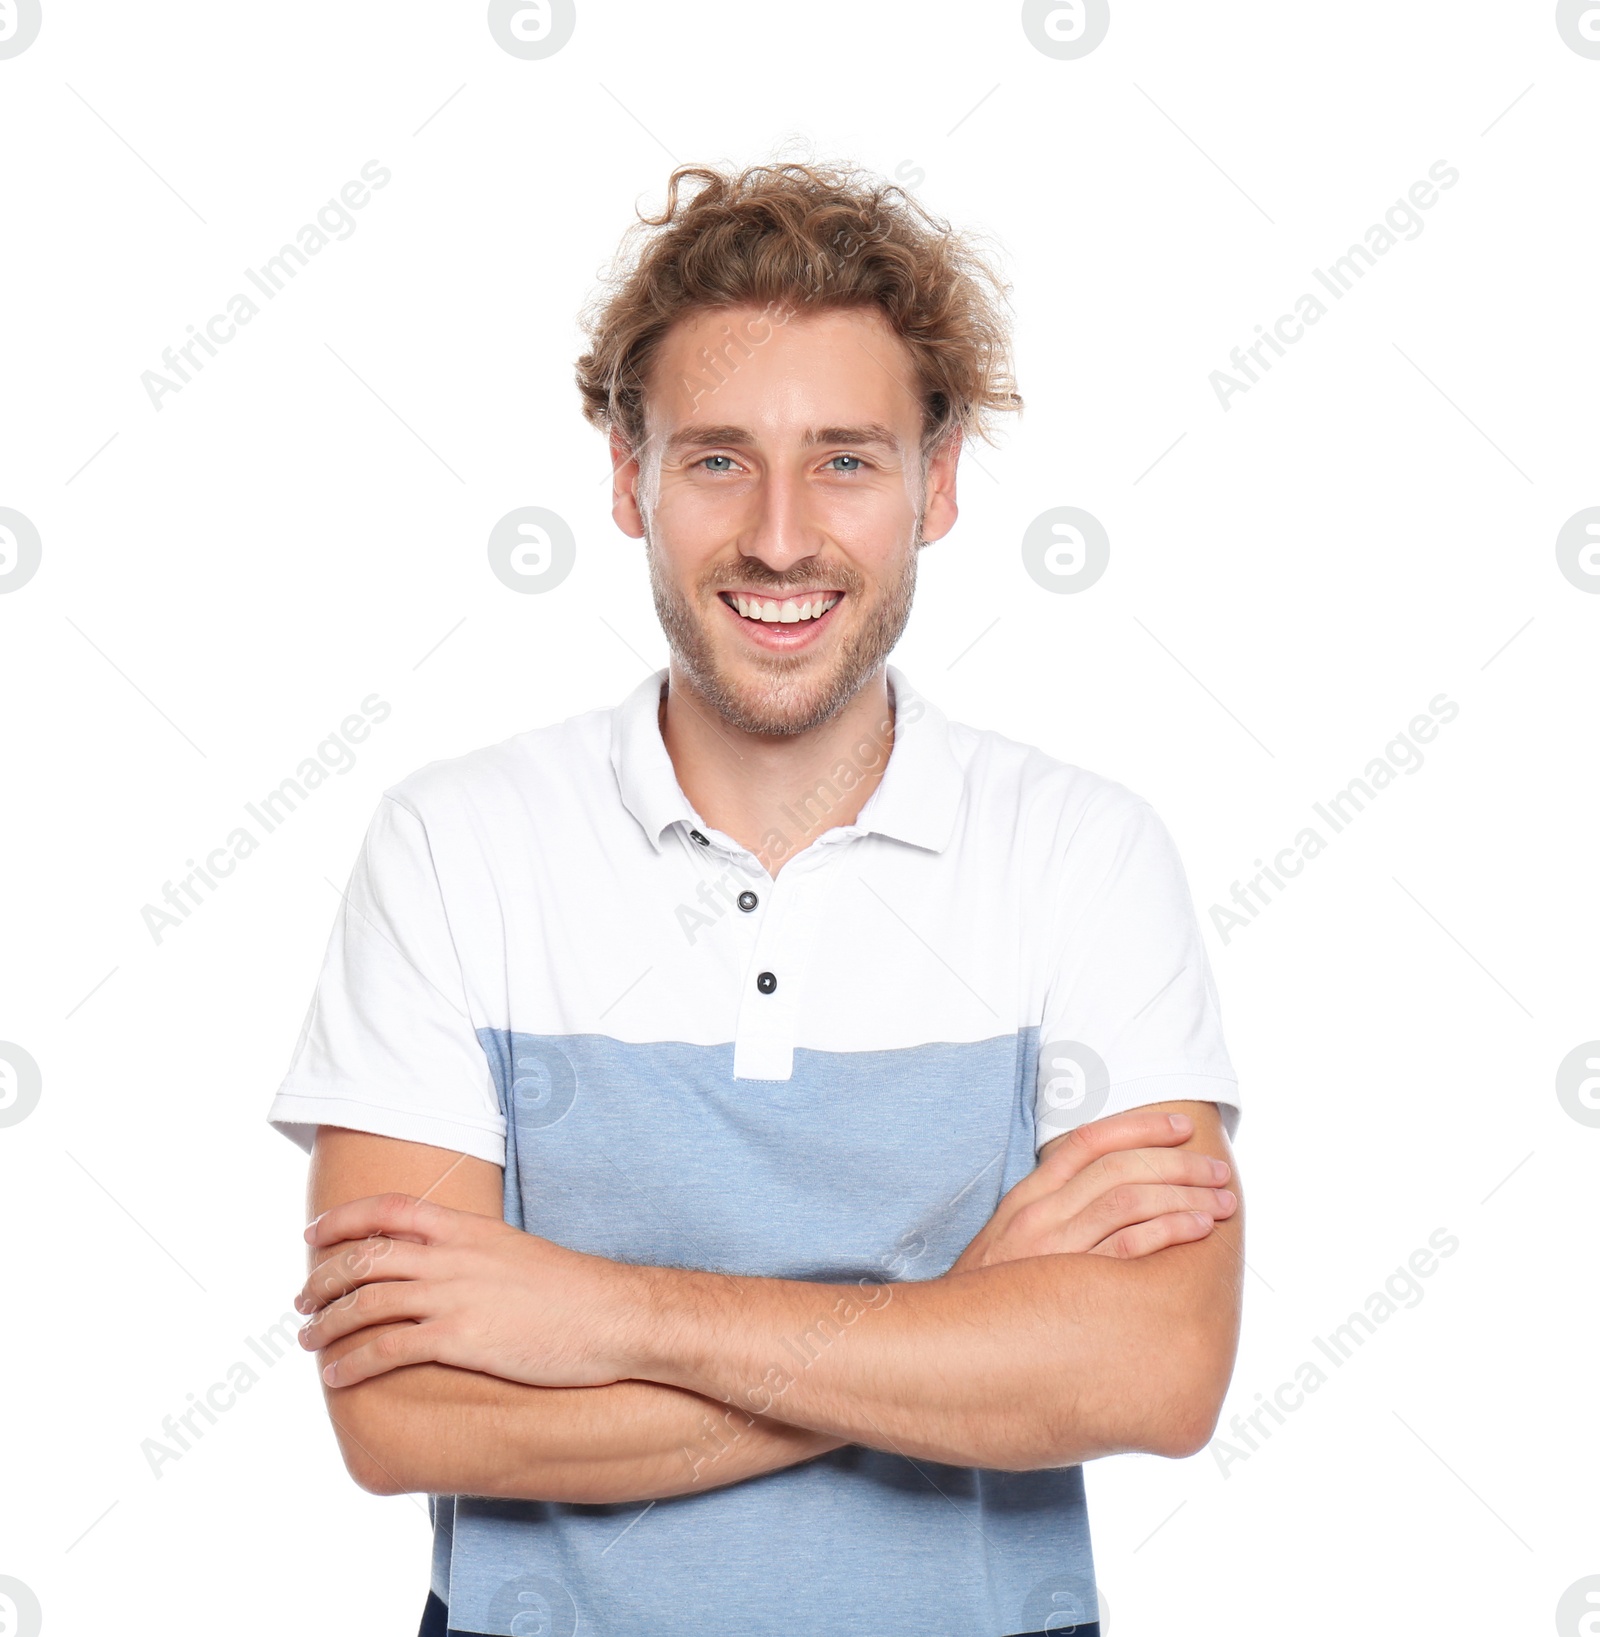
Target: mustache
{"points": [[750, 575]]}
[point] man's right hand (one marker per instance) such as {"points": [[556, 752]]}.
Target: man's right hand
{"points": [[1122, 1186]]}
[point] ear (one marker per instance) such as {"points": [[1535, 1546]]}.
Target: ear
{"points": [[625, 488], [939, 501]]}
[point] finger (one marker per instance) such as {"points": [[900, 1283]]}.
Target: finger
{"points": [[1130, 1203], [1177, 1166], [1145, 1238], [1135, 1128], [1077, 1151], [372, 1304], [399, 1216], [405, 1344], [1187, 1167], [360, 1263]]}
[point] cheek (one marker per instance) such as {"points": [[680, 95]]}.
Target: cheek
{"points": [[685, 514], [875, 523]]}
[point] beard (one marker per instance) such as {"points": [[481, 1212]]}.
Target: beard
{"points": [[790, 694]]}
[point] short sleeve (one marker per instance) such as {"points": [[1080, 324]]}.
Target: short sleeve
{"points": [[1131, 1014], [388, 1044]]}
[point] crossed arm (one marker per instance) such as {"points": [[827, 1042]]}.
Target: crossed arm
{"points": [[1096, 1313]]}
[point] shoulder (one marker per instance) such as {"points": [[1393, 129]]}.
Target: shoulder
{"points": [[1017, 785], [530, 771]]}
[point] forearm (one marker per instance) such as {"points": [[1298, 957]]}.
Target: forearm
{"points": [[1046, 1361], [435, 1429], [1035, 1357]]}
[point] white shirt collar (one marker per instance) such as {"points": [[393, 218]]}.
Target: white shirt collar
{"points": [[917, 799]]}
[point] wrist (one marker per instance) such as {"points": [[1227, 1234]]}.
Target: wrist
{"points": [[642, 1313], [679, 1329]]}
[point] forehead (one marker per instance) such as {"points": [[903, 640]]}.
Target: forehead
{"points": [[782, 377]]}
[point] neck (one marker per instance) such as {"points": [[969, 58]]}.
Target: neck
{"points": [[776, 793]]}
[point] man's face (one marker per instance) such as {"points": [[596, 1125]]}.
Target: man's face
{"points": [[782, 509]]}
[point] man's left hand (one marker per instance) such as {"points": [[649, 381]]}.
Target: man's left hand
{"points": [[479, 1294]]}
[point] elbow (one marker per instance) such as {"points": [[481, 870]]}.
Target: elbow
{"points": [[369, 1473], [368, 1431], [387, 1426], [1167, 1405], [1159, 1390], [1175, 1429], [391, 1445], [1187, 1428], [375, 1470], [1182, 1423]]}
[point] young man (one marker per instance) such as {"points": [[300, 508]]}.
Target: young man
{"points": [[767, 1136]]}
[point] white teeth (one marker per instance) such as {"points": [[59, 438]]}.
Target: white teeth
{"points": [[789, 612]]}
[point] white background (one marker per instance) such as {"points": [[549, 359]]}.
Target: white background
{"points": [[304, 524]]}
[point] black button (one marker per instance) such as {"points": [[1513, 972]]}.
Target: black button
{"points": [[766, 983], [748, 901], [700, 838]]}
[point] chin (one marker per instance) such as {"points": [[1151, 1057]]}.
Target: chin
{"points": [[777, 694], [779, 699]]}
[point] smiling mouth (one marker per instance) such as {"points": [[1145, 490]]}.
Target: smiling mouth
{"points": [[812, 605]]}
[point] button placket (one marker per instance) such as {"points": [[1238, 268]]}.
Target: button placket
{"points": [[719, 875], [785, 943]]}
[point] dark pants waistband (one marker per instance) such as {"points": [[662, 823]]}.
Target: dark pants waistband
{"points": [[436, 1623]]}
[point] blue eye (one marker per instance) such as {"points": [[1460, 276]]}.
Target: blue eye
{"points": [[856, 458], [728, 458]]}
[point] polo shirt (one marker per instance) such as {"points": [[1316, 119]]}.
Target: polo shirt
{"points": [[548, 959]]}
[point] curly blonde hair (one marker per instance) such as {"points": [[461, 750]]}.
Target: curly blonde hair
{"points": [[802, 237]]}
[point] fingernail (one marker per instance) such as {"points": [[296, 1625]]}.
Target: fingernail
{"points": [[1219, 1169], [1225, 1197], [327, 1373], [1180, 1122]]}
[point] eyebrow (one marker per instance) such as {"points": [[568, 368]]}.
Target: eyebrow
{"points": [[873, 432]]}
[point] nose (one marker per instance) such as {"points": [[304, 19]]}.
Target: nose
{"points": [[784, 532]]}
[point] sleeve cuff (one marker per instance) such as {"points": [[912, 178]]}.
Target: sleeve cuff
{"points": [[1139, 1091], [297, 1116]]}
